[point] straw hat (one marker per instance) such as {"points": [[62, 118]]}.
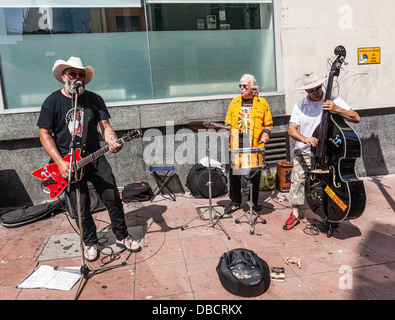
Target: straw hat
{"points": [[73, 62], [311, 80]]}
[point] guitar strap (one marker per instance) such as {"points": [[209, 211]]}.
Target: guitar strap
{"points": [[87, 117]]}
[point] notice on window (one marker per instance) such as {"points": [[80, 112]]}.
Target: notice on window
{"points": [[211, 22], [369, 55]]}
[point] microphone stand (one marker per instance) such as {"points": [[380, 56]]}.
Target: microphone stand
{"points": [[84, 269], [210, 208]]}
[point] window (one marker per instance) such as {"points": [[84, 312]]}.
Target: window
{"points": [[151, 51], [204, 49]]}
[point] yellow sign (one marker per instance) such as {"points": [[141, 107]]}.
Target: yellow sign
{"points": [[336, 199], [369, 55]]}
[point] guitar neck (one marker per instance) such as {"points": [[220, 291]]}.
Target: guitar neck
{"points": [[320, 150], [97, 154]]}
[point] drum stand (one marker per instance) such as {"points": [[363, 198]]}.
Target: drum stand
{"points": [[210, 208], [253, 216]]}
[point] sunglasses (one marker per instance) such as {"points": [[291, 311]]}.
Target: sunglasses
{"points": [[243, 86], [72, 74], [314, 90]]}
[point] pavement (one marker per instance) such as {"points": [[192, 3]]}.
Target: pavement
{"points": [[176, 263]]}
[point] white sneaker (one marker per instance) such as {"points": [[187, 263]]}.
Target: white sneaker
{"points": [[129, 244], [91, 253]]}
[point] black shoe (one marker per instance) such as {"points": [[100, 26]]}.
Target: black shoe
{"points": [[232, 208], [257, 207]]}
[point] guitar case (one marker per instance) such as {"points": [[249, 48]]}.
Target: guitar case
{"points": [[243, 273], [17, 217], [22, 216]]}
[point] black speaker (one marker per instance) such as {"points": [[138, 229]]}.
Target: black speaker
{"points": [[96, 203]]}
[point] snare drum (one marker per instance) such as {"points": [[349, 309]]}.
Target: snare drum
{"points": [[248, 158]]}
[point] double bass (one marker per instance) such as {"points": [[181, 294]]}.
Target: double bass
{"points": [[333, 191]]}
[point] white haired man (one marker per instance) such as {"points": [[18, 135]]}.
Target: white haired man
{"points": [[250, 118]]}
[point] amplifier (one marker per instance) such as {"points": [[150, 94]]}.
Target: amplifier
{"points": [[283, 177]]}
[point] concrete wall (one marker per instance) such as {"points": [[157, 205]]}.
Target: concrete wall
{"points": [[310, 30], [21, 152]]}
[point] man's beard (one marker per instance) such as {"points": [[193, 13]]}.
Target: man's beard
{"points": [[69, 86]]}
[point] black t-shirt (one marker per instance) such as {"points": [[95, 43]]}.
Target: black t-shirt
{"points": [[57, 114]]}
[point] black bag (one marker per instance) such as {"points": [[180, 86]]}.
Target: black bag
{"points": [[137, 191], [243, 273], [22, 216], [197, 182]]}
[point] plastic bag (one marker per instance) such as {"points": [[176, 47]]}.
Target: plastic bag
{"points": [[268, 180]]}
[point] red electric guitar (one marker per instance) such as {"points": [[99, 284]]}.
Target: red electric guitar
{"points": [[53, 180]]}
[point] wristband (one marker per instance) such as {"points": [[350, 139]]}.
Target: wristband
{"points": [[267, 131]]}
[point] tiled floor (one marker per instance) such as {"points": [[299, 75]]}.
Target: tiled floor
{"points": [[357, 262]]}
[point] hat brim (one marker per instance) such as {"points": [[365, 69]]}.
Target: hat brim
{"points": [[313, 84], [62, 65]]}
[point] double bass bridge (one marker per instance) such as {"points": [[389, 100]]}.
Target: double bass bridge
{"points": [[320, 171]]}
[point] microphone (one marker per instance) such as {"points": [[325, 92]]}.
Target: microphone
{"points": [[78, 84]]}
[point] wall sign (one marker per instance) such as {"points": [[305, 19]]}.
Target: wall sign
{"points": [[369, 55]]}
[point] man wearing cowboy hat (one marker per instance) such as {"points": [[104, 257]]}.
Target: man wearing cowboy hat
{"points": [[57, 123], [305, 118]]}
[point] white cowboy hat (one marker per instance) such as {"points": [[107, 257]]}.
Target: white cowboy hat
{"points": [[310, 81], [73, 62]]}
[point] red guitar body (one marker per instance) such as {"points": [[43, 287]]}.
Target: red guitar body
{"points": [[51, 177], [53, 180]]}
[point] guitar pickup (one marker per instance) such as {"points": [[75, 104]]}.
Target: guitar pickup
{"points": [[49, 181]]}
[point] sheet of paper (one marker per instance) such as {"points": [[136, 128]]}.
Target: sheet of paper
{"points": [[46, 277]]}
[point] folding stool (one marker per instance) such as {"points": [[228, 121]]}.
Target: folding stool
{"points": [[162, 180]]}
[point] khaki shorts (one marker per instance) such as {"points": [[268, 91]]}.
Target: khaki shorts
{"points": [[301, 164]]}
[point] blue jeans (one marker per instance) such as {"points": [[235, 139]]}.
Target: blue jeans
{"points": [[99, 173]]}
